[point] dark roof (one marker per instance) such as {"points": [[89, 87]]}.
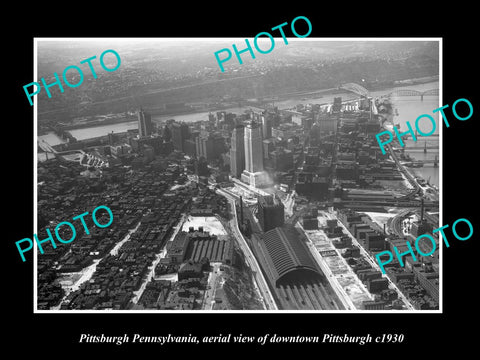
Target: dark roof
{"points": [[286, 253], [189, 266]]}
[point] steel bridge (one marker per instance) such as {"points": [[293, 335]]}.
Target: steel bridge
{"points": [[355, 88], [411, 92], [360, 90], [420, 163]]}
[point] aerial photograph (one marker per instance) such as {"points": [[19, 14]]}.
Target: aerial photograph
{"points": [[173, 176]]}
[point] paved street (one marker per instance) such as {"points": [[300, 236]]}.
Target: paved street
{"points": [[249, 257]]}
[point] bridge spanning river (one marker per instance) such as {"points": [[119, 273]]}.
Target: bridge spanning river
{"points": [[412, 92], [360, 90]]}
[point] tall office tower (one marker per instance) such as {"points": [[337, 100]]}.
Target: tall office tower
{"points": [[219, 145], [266, 125], [145, 126], [180, 133], [190, 145], [237, 151], [253, 173], [210, 146], [167, 134], [205, 147], [270, 212], [253, 148], [111, 138]]}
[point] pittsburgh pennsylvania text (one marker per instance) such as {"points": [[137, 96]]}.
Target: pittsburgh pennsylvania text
{"points": [[261, 187]]}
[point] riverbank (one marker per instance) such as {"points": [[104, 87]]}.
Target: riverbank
{"points": [[408, 108], [324, 95], [320, 96]]}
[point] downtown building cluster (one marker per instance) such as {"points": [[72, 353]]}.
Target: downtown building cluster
{"points": [[327, 154]]}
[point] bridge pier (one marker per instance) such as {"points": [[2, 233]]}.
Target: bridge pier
{"points": [[421, 97]]}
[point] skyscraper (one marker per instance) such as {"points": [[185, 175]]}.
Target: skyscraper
{"points": [[167, 134], [266, 125], [145, 127], [253, 173], [180, 133], [253, 148], [271, 213], [237, 151], [190, 145], [205, 147], [111, 138], [210, 146]]}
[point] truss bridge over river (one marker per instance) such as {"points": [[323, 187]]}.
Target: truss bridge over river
{"points": [[360, 90], [412, 92]]}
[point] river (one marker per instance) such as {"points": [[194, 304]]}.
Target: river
{"points": [[91, 132], [408, 107]]}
